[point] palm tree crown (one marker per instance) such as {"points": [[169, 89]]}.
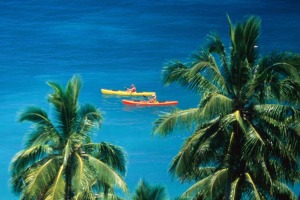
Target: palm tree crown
{"points": [[59, 160], [244, 141], [144, 191]]}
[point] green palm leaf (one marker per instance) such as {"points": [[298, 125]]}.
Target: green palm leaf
{"points": [[283, 191], [275, 113], [253, 141], [43, 135], [197, 149], [206, 65], [88, 117], [215, 104], [38, 178], [27, 157], [110, 154], [83, 176], [56, 191], [255, 192], [166, 123], [144, 191], [179, 73], [106, 174], [36, 115], [73, 90], [210, 186], [234, 189], [229, 119]]}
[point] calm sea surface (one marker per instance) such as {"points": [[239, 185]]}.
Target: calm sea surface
{"points": [[113, 44]]}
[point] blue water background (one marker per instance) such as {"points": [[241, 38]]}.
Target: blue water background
{"points": [[112, 44]]}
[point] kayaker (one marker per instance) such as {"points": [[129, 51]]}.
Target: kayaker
{"points": [[153, 98], [132, 89]]}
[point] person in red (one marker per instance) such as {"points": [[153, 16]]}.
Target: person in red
{"points": [[132, 89], [153, 99]]}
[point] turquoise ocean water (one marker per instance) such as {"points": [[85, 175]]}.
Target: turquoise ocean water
{"points": [[113, 44]]}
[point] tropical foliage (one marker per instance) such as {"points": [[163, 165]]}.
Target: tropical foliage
{"points": [[59, 160], [245, 131], [144, 191]]}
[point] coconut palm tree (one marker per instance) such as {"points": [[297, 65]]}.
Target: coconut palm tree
{"points": [[59, 160], [144, 191], [244, 141]]}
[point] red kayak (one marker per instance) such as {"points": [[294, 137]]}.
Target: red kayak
{"points": [[147, 103]]}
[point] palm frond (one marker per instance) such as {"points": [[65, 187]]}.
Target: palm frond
{"points": [[56, 98], [282, 171], [179, 73], [282, 191], [276, 113], [215, 45], [42, 135], [65, 105], [159, 193], [112, 155], [282, 63], [174, 72], [245, 39], [199, 148], [289, 90], [176, 119], [56, 190], [87, 195], [234, 189], [73, 89], [106, 174], [66, 152], [83, 176], [147, 192], [89, 116], [253, 141], [234, 117], [199, 173], [231, 32], [210, 187], [38, 178], [36, 115], [25, 158], [271, 73], [108, 196], [206, 65], [243, 54], [249, 179], [215, 104]]}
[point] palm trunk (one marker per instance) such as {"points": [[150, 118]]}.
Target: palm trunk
{"points": [[68, 172], [236, 161]]}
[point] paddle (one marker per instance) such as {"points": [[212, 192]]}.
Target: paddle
{"points": [[149, 99], [146, 97]]}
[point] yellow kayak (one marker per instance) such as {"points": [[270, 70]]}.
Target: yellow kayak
{"points": [[125, 93]]}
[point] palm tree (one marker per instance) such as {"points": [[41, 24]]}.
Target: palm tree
{"points": [[144, 191], [244, 140], [59, 160]]}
